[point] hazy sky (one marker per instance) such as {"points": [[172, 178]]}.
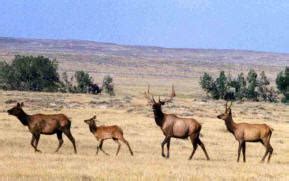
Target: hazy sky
{"points": [[223, 24]]}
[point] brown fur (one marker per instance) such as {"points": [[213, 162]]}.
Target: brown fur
{"points": [[44, 124], [245, 132], [106, 132], [176, 127]]}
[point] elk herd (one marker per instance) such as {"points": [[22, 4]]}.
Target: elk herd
{"points": [[171, 125]]}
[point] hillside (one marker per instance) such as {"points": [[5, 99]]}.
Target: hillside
{"points": [[12, 45], [131, 65]]}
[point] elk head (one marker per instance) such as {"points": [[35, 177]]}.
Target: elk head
{"points": [[91, 121], [227, 113], [157, 104], [16, 110]]}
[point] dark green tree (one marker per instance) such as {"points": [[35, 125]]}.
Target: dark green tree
{"points": [[83, 80], [206, 82], [241, 93], [221, 84], [30, 73], [252, 84], [282, 82]]}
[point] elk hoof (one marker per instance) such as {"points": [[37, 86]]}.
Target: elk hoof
{"points": [[38, 151], [163, 155]]}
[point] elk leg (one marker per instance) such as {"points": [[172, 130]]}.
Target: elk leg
{"points": [[127, 144], [60, 140], [244, 151], [203, 148], [100, 147], [37, 137], [264, 142], [32, 141], [168, 147], [239, 150], [163, 144], [118, 148], [70, 137], [195, 145], [270, 148]]}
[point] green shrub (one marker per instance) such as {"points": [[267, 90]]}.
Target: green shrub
{"points": [[228, 88], [282, 82], [30, 73], [107, 85], [83, 80], [252, 84]]}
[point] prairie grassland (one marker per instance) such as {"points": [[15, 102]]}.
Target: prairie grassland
{"points": [[129, 110], [132, 70]]}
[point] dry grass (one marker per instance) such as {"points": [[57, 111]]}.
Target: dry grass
{"points": [[18, 160], [132, 71]]}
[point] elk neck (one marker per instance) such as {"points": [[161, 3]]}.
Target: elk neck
{"points": [[23, 117], [230, 124], [92, 128], [159, 116]]}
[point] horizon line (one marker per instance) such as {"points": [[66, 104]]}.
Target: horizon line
{"points": [[139, 45]]}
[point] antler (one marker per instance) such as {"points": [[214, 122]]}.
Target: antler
{"points": [[147, 95], [230, 105], [173, 94], [226, 105]]}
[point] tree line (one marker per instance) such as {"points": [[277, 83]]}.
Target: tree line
{"points": [[30, 73], [251, 87]]}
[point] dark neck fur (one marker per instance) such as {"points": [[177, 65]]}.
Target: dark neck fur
{"points": [[230, 124], [92, 128], [23, 117], [159, 116]]}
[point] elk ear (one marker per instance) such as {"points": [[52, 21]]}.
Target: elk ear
{"points": [[94, 117], [161, 102], [22, 104]]}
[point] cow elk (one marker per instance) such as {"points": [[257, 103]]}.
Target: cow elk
{"points": [[44, 124], [173, 126], [106, 132], [245, 132]]}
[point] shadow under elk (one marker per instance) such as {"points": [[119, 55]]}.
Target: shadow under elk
{"points": [[107, 132], [245, 132], [173, 126], [44, 124]]}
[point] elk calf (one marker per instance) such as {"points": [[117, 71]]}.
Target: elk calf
{"points": [[245, 132], [106, 132], [44, 124], [173, 126]]}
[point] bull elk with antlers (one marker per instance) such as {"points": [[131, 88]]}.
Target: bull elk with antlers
{"points": [[245, 132], [174, 126]]}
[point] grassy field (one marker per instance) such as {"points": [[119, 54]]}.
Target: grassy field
{"points": [[18, 160], [132, 69]]}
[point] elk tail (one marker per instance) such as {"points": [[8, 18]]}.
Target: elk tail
{"points": [[271, 129], [201, 135], [69, 122]]}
